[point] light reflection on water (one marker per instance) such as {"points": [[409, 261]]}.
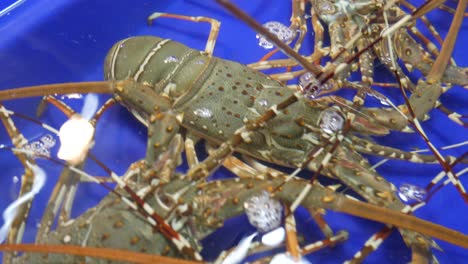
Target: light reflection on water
{"points": [[6, 9]]}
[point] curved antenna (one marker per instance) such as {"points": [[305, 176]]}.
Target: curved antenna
{"points": [[103, 87]]}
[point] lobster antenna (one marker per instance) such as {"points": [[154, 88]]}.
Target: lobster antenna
{"points": [[102, 87], [103, 253]]}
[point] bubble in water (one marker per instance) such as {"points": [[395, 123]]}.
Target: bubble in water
{"points": [[331, 121], [39, 149], [48, 141], [281, 31], [410, 193], [42, 146], [263, 212], [203, 112], [171, 59], [37, 146]]}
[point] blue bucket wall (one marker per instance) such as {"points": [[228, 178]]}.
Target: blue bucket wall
{"points": [[52, 41]]}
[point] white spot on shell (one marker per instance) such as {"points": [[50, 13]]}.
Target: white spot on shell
{"points": [[170, 59], [203, 112], [67, 239], [263, 102]]}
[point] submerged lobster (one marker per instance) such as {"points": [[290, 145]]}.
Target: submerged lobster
{"points": [[298, 136]]}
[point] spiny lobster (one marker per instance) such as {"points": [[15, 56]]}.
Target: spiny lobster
{"points": [[250, 151]]}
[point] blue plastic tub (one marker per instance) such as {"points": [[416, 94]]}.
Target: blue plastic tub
{"points": [[52, 41]]}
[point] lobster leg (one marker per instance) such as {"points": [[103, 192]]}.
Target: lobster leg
{"points": [[319, 50], [441, 62], [210, 44], [64, 192], [413, 55], [65, 189], [374, 188], [366, 67], [427, 93], [450, 9], [298, 22], [162, 124], [428, 25], [19, 141], [341, 236], [162, 127], [374, 242], [319, 33], [371, 245], [48, 99], [190, 141], [315, 57]]}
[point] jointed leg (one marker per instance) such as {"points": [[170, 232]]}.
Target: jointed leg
{"points": [[210, 44], [27, 179]]}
